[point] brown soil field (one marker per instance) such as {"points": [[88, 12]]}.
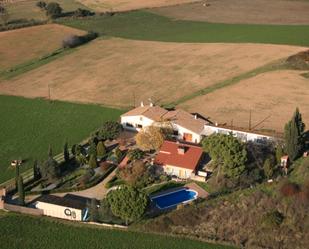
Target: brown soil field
{"points": [[123, 5], [274, 95], [117, 71], [241, 11], [21, 45]]}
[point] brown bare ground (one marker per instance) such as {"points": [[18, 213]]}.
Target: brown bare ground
{"points": [[242, 11], [124, 5], [274, 94], [21, 45], [117, 71]]}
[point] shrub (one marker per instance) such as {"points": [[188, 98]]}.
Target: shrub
{"points": [[82, 13], [53, 10], [289, 189], [41, 5], [273, 218], [135, 154], [109, 130], [75, 40], [105, 166]]}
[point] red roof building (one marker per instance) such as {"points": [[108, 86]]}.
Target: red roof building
{"points": [[179, 159]]}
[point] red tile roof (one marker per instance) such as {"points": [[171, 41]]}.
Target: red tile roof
{"points": [[169, 155]]}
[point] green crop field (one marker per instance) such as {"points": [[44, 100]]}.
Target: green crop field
{"points": [[141, 25], [26, 232], [29, 126]]}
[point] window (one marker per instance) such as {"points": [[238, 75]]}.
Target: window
{"points": [[139, 126], [129, 125]]}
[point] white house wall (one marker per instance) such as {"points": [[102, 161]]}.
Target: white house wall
{"points": [[135, 121], [59, 211], [175, 171], [244, 136], [196, 138]]}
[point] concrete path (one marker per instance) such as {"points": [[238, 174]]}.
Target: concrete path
{"points": [[98, 191]]}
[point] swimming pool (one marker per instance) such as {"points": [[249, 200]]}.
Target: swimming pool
{"points": [[174, 198]]}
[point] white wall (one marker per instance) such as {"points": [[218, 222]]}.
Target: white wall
{"points": [[244, 136], [59, 211], [135, 121], [196, 138], [173, 170]]}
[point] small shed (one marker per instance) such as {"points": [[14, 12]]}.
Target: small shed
{"points": [[61, 207]]}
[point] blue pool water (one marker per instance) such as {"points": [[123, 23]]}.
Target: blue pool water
{"points": [[174, 198]]}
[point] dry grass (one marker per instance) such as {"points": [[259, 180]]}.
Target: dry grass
{"points": [[274, 94], [242, 11], [21, 45], [123, 5], [116, 71]]}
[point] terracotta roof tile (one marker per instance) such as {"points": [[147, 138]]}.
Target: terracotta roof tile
{"points": [[169, 155]]}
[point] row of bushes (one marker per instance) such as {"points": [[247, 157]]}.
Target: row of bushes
{"points": [[75, 40], [74, 189], [22, 23]]}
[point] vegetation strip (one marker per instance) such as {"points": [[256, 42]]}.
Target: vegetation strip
{"points": [[33, 64], [142, 25], [266, 68]]}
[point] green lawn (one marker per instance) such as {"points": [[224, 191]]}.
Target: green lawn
{"points": [[142, 25], [28, 126], [25, 232]]}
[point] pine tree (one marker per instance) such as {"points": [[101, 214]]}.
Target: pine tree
{"points": [[16, 174], [50, 152], [293, 134], [101, 149], [36, 170], [21, 191], [268, 168], [66, 153]]}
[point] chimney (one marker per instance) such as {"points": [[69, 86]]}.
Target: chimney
{"points": [[142, 104], [195, 116], [151, 104], [181, 150]]}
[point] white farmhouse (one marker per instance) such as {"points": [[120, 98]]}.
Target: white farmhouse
{"points": [[186, 126]]}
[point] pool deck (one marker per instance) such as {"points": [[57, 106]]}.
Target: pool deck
{"points": [[201, 192]]}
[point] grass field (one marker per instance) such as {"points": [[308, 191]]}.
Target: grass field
{"points": [[28, 10], [29, 126], [141, 25], [116, 72], [25, 232], [22, 45]]}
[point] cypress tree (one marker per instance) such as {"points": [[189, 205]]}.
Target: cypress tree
{"points": [[101, 149], [66, 153], [293, 134], [36, 170], [92, 161], [21, 191]]}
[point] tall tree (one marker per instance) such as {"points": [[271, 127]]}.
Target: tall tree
{"points": [[21, 191], [150, 138], [293, 134], [92, 149], [127, 203], [101, 149], [36, 170], [53, 10], [92, 161], [66, 153], [228, 152], [268, 168]]}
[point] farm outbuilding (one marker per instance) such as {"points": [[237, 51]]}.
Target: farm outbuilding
{"points": [[61, 207]]}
